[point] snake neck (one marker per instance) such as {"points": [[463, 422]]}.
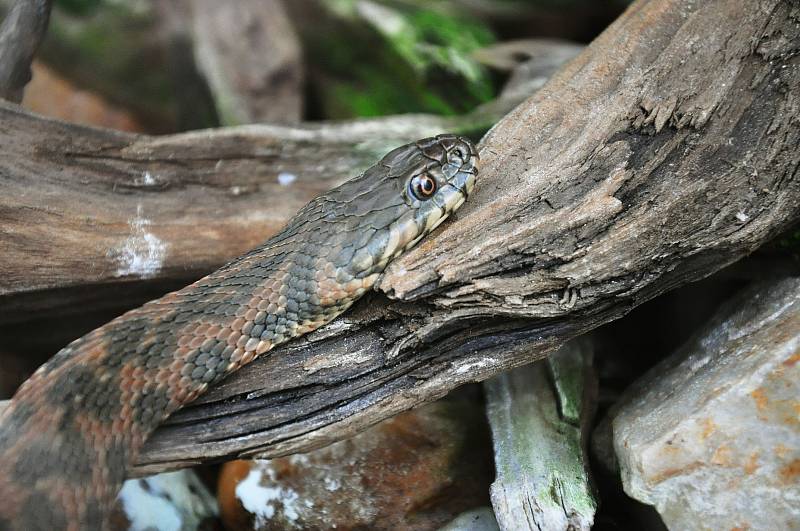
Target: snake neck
{"points": [[74, 428]]}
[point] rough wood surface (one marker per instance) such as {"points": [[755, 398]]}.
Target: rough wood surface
{"points": [[540, 416], [665, 151], [88, 207], [20, 34]]}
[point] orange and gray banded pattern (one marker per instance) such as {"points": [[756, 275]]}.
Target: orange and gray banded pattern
{"points": [[75, 425]]}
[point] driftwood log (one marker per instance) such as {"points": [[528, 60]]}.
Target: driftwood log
{"points": [[85, 207], [665, 151]]}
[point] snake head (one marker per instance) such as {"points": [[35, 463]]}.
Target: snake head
{"points": [[417, 186], [441, 180], [361, 225]]}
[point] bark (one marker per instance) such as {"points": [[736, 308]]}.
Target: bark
{"points": [[665, 151], [20, 35], [127, 213], [540, 416]]}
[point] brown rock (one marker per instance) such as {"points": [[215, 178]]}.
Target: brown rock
{"points": [[416, 471], [50, 94]]}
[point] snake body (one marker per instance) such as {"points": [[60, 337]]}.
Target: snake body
{"points": [[73, 427]]}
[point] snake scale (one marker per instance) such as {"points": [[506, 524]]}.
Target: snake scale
{"points": [[74, 426]]}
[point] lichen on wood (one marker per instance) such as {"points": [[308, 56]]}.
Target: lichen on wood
{"points": [[539, 416]]}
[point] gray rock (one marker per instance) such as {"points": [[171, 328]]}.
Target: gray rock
{"points": [[538, 416], [711, 436]]}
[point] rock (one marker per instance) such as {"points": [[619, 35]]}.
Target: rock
{"points": [[711, 436], [50, 94], [416, 471], [172, 501], [480, 519], [539, 416]]}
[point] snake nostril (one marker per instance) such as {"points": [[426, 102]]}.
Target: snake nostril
{"points": [[459, 155]]}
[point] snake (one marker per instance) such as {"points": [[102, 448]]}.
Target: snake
{"points": [[74, 427]]}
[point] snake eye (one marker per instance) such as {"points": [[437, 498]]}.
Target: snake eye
{"points": [[422, 186]]}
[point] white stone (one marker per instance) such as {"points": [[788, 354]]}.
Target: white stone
{"points": [[172, 501]]}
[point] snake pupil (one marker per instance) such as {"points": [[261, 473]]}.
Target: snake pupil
{"points": [[423, 187]]}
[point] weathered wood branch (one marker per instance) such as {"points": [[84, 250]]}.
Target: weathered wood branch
{"points": [[665, 151], [540, 416], [20, 34], [128, 214]]}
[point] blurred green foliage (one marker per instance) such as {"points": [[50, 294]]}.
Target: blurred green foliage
{"points": [[363, 57], [386, 57], [79, 7], [791, 241], [366, 57]]}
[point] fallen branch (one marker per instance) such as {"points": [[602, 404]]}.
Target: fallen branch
{"points": [[650, 161], [540, 416], [118, 212]]}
